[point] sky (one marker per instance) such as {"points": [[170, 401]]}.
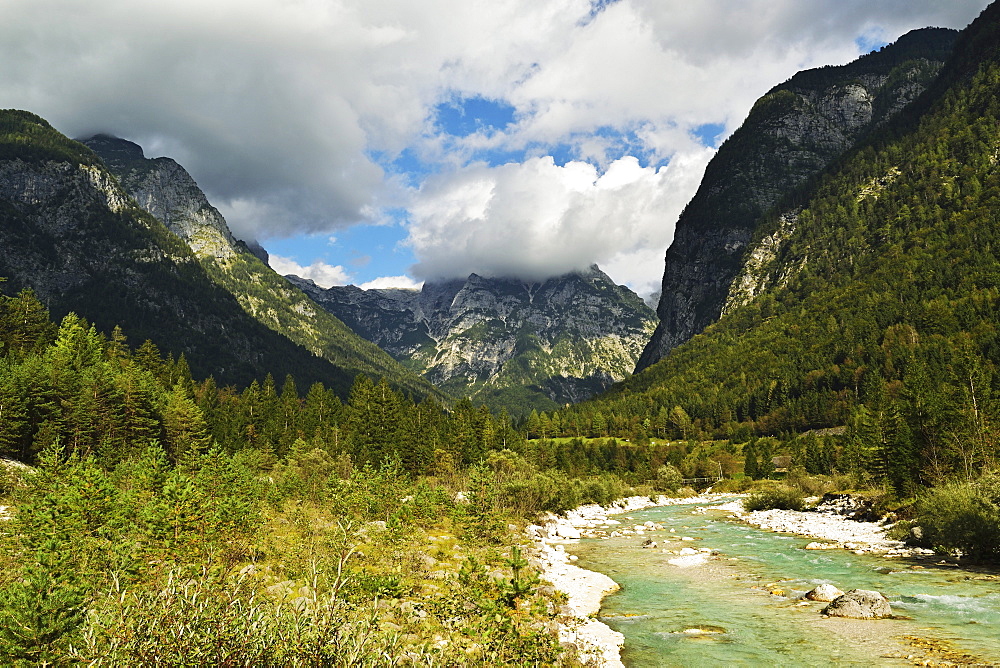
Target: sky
{"points": [[387, 142]]}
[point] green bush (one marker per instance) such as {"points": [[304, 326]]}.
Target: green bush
{"points": [[962, 518], [668, 479], [733, 485], [782, 498], [809, 485]]}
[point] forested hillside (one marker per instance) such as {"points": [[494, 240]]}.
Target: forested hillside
{"points": [[794, 132], [875, 308]]}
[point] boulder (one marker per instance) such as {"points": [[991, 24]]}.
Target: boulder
{"points": [[566, 530], [825, 593], [821, 546], [859, 604]]}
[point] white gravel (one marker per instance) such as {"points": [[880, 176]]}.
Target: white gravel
{"points": [[838, 531], [596, 642]]}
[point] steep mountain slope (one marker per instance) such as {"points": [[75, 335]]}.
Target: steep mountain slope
{"points": [[792, 133], [69, 231], [876, 308], [165, 190], [510, 343]]}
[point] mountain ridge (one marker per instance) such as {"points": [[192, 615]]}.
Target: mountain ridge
{"points": [[564, 338], [165, 190]]}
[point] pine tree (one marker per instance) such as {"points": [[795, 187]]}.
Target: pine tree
{"points": [[184, 424]]}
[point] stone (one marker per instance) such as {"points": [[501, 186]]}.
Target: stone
{"points": [[564, 530], [824, 592], [821, 546], [859, 604]]}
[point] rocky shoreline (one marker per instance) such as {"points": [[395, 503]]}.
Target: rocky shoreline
{"points": [[594, 640], [829, 522]]}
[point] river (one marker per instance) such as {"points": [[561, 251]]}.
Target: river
{"points": [[743, 605]]}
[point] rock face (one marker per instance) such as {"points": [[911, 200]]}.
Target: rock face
{"points": [[71, 233], [796, 130], [165, 190], [859, 604], [565, 338]]}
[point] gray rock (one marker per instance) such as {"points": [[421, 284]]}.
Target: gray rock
{"points": [[859, 604], [825, 593], [490, 333]]}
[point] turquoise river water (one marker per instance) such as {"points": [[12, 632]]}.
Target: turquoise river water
{"points": [[743, 607]]}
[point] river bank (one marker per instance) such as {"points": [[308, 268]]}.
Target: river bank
{"points": [[826, 523], [584, 589]]}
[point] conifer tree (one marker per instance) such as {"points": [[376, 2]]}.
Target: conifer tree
{"points": [[184, 424]]}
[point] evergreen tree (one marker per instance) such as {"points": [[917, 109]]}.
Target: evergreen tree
{"points": [[185, 429]]}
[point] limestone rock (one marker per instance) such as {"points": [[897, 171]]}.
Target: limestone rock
{"points": [[821, 546], [566, 530], [859, 604], [825, 593]]}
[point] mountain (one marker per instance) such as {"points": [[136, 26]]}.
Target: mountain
{"points": [[74, 235], [510, 343], [869, 306], [792, 133], [165, 190]]}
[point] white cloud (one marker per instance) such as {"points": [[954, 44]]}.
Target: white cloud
{"points": [[537, 219], [319, 272], [277, 107], [384, 282]]}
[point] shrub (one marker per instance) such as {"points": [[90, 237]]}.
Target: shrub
{"points": [[809, 485], [782, 498], [962, 518], [732, 485], [668, 479]]}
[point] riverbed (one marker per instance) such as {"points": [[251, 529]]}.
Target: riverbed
{"points": [[716, 591]]}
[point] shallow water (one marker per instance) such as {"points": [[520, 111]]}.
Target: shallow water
{"points": [[724, 612]]}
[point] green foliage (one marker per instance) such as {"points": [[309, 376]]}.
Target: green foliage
{"points": [[28, 137], [668, 479], [42, 611], [962, 518], [783, 498]]}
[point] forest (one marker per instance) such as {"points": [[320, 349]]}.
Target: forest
{"points": [[166, 520]]}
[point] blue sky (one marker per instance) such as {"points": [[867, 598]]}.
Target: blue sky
{"points": [[391, 142]]}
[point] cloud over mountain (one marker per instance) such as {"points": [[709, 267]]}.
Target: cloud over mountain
{"points": [[311, 115]]}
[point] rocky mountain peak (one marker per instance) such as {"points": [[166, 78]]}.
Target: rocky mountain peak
{"points": [[168, 192], [116, 152], [509, 341]]}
